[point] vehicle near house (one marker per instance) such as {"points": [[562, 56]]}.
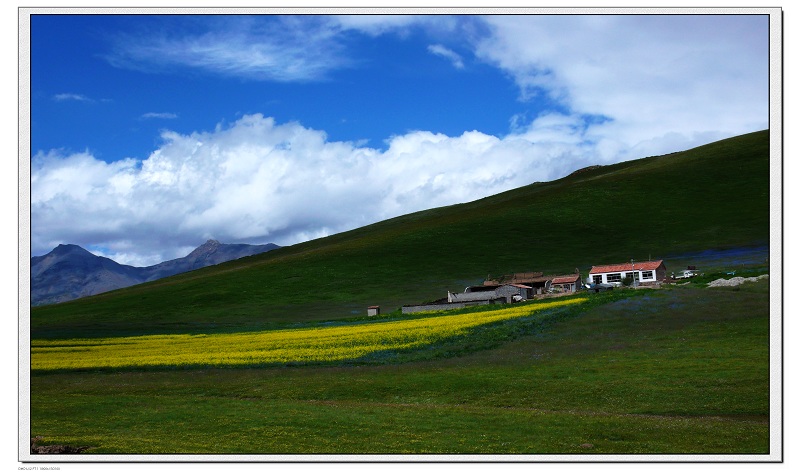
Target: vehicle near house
{"points": [[685, 274], [598, 288]]}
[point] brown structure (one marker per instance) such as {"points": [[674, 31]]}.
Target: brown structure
{"points": [[566, 284], [537, 281]]}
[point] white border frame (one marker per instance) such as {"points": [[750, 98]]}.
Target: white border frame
{"points": [[776, 240]]}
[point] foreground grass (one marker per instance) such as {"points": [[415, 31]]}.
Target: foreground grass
{"points": [[678, 371]]}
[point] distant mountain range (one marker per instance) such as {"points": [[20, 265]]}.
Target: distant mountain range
{"points": [[70, 272]]}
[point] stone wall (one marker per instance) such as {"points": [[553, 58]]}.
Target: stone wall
{"points": [[442, 307]]}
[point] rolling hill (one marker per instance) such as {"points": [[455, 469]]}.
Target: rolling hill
{"points": [[711, 197]]}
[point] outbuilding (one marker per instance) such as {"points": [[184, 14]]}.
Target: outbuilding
{"points": [[506, 293], [644, 272], [565, 284]]}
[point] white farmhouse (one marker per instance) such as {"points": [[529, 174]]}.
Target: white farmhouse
{"points": [[646, 272]]}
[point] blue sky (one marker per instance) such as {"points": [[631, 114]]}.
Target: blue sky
{"points": [[94, 88], [153, 133]]}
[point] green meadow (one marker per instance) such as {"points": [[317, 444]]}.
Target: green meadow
{"points": [[679, 370]]}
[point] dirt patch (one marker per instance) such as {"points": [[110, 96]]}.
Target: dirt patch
{"points": [[37, 448]]}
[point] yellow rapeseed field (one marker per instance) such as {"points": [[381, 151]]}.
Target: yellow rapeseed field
{"points": [[318, 344]]}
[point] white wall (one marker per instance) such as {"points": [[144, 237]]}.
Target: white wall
{"points": [[623, 273]]}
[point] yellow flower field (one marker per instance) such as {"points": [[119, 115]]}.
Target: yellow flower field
{"points": [[319, 344]]}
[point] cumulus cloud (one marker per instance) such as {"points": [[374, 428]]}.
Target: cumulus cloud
{"points": [[258, 181], [448, 54], [660, 83], [636, 85]]}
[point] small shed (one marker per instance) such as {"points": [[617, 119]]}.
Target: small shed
{"points": [[373, 310], [515, 292], [506, 293], [566, 284]]}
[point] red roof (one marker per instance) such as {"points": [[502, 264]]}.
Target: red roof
{"points": [[621, 268], [566, 279]]}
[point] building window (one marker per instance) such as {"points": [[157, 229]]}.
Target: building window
{"points": [[632, 275], [597, 279], [647, 275], [614, 278]]}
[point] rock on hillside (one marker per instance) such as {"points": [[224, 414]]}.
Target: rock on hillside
{"points": [[738, 280]]}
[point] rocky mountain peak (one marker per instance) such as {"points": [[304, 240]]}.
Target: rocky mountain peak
{"points": [[206, 248], [63, 249]]}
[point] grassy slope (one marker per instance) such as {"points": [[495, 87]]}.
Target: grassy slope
{"points": [[714, 196], [681, 370]]}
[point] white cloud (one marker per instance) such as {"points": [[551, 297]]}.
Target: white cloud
{"points": [[450, 55], [282, 48], [159, 115], [661, 83], [376, 25], [70, 97], [258, 181], [637, 85]]}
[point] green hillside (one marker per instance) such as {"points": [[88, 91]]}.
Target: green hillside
{"points": [[715, 196], [680, 370]]}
